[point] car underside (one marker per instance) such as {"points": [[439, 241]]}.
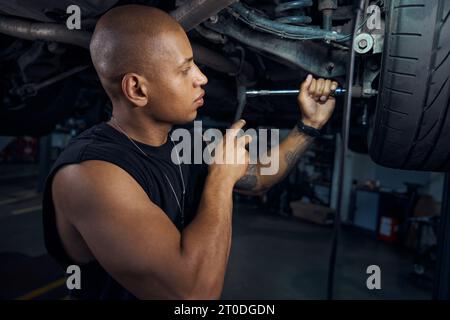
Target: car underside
{"points": [[400, 90]]}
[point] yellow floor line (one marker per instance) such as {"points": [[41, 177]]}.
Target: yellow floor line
{"points": [[24, 192], [26, 210], [40, 291], [18, 199]]}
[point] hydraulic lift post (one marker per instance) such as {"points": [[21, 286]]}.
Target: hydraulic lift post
{"points": [[442, 277]]}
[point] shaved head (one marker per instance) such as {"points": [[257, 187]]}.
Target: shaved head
{"points": [[129, 39], [145, 63]]}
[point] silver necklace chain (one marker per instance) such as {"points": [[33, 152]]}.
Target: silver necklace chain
{"points": [[180, 205]]}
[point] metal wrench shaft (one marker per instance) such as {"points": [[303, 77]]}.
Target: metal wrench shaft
{"points": [[256, 93]]}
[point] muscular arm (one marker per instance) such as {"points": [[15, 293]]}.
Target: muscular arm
{"points": [[135, 241], [316, 106], [290, 151]]}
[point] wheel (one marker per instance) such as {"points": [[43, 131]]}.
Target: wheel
{"points": [[411, 129]]}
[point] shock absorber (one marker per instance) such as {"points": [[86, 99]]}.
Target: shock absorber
{"points": [[327, 8], [297, 5]]}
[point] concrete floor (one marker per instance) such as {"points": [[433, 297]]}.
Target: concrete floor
{"points": [[26, 271], [273, 257], [276, 257]]}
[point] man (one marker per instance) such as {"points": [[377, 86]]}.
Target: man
{"points": [[139, 225]]}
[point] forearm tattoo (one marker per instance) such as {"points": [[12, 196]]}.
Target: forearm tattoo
{"points": [[292, 157], [250, 180]]}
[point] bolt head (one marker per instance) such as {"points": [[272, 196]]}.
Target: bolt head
{"points": [[330, 67], [362, 43], [214, 19]]}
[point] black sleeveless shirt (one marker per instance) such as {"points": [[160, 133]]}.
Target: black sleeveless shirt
{"points": [[103, 142]]}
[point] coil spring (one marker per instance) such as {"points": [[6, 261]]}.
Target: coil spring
{"points": [[293, 5]]}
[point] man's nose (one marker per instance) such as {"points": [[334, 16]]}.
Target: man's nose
{"points": [[200, 79]]}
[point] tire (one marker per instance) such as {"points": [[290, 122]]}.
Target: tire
{"points": [[411, 129]]}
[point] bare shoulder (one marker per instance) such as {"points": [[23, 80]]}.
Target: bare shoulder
{"points": [[97, 193], [93, 174], [95, 187], [111, 213], [86, 193]]}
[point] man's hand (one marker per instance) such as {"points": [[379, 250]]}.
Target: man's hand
{"points": [[316, 104], [316, 107], [231, 158]]}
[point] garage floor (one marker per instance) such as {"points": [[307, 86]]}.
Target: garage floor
{"points": [[273, 257]]}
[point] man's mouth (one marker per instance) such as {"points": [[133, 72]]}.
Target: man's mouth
{"points": [[199, 99]]}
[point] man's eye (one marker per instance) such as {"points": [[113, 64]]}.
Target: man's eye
{"points": [[186, 71]]}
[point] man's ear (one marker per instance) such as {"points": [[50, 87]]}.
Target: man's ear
{"points": [[135, 88]]}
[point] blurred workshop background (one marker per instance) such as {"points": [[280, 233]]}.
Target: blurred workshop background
{"points": [[393, 221], [281, 241]]}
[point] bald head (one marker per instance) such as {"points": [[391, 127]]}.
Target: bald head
{"points": [[128, 39]]}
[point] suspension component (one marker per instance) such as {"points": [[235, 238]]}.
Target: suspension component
{"points": [[297, 19], [327, 7]]}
